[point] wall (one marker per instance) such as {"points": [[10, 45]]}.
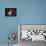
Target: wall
{"points": [[28, 12], [33, 12]]}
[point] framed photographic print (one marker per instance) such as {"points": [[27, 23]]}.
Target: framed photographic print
{"points": [[10, 12]]}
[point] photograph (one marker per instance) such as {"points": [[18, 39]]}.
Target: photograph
{"points": [[10, 12]]}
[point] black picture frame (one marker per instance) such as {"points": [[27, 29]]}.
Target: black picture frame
{"points": [[11, 12]]}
